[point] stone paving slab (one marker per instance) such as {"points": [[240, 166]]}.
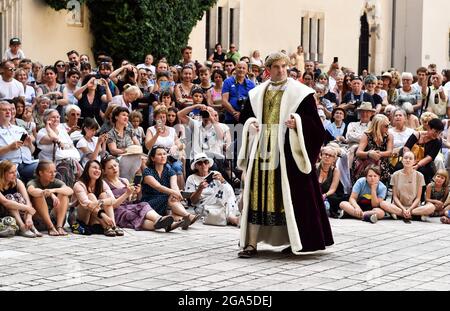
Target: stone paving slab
{"points": [[387, 256]]}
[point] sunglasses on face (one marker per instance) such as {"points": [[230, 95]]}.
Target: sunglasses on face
{"points": [[205, 162], [61, 65]]}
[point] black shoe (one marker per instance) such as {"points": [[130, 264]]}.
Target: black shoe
{"points": [[248, 252], [287, 250], [164, 222]]}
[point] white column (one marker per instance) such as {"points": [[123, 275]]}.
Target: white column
{"points": [[314, 38], [306, 36]]}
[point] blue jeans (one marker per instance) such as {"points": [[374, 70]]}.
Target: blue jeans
{"points": [[177, 166], [26, 171]]}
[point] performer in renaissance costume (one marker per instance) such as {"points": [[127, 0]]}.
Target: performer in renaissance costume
{"points": [[282, 137]]}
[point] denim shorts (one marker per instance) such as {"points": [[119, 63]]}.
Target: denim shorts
{"points": [[177, 166]]}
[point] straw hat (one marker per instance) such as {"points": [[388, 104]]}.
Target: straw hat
{"points": [[134, 150]]}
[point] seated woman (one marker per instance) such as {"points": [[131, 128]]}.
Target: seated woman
{"points": [[94, 203], [90, 146], [207, 197], [407, 192], [329, 180], [72, 115], [14, 200], [375, 147], [160, 188], [367, 195], [57, 146], [50, 197], [120, 137], [437, 193], [428, 145], [137, 216], [337, 129]]}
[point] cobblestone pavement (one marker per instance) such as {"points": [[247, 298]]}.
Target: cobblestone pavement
{"points": [[389, 255]]}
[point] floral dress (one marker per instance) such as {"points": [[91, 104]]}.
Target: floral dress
{"points": [[358, 166]]}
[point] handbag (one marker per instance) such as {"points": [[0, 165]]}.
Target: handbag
{"points": [[419, 152], [216, 217]]}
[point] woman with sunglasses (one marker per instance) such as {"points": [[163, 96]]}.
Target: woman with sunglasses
{"points": [[211, 196], [329, 180], [60, 71], [436, 98]]}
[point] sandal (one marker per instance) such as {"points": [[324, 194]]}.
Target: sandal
{"points": [[175, 225], [61, 231], [187, 222], [109, 232], [247, 252], [164, 222], [196, 217], [118, 231], [53, 232]]}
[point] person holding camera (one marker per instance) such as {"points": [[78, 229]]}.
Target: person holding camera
{"points": [[235, 93], [353, 99], [93, 95], [211, 194], [90, 146], [206, 135], [165, 136], [126, 74], [15, 144]]}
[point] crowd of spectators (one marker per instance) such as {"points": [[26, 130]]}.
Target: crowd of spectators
{"points": [[102, 148]]}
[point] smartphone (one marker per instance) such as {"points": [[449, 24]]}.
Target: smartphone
{"points": [[137, 180], [209, 178], [80, 122], [335, 60], [24, 136]]}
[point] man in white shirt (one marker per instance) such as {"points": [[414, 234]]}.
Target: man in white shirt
{"points": [[14, 50], [9, 86], [148, 64], [13, 148]]}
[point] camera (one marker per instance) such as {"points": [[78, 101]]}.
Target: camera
{"points": [[72, 64], [241, 102], [204, 114]]}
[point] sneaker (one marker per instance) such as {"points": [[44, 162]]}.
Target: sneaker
{"points": [[370, 218], [80, 228], [394, 217], [340, 214]]}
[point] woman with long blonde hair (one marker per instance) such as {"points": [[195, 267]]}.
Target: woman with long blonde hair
{"points": [[374, 147]]}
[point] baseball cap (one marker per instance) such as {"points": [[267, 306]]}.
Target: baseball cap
{"points": [[14, 41]]}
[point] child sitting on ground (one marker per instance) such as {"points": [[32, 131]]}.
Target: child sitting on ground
{"points": [[437, 192], [136, 119]]}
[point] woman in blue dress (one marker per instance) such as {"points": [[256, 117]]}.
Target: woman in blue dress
{"points": [[160, 188]]}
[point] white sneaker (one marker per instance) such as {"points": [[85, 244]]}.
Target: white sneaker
{"points": [[394, 217], [424, 218]]}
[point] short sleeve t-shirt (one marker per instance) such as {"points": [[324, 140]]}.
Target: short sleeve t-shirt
{"points": [[53, 185], [362, 188], [407, 186]]}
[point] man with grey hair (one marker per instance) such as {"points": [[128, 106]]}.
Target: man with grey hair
{"points": [[15, 144], [281, 141]]}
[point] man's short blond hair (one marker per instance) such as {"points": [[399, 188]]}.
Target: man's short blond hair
{"points": [[274, 57]]}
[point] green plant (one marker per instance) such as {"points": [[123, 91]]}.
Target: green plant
{"points": [[133, 28]]}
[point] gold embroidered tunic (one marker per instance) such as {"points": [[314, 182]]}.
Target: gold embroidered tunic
{"points": [[266, 204]]}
